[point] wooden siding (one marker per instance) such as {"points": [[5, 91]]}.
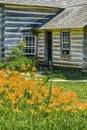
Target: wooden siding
{"points": [[85, 49], [41, 46], [56, 50], [1, 31], [77, 45], [75, 59]]}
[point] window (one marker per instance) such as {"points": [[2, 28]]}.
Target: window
{"points": [[65, 43], [30, 41]]}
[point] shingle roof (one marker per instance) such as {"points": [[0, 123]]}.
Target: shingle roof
{"points": [[73, 17], [49, 3]]}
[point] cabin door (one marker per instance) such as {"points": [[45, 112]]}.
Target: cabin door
{"points": [[49, 47]]}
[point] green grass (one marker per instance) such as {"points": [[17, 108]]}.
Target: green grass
{"points": [[66, 74], [79, 87], [54, 121]]}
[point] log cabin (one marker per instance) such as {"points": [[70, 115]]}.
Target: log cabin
{"points": [[54, 31]]}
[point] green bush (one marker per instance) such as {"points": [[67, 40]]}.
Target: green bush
{"points": [[18, 60], [1, 65], [17, 51], [21, 64]]}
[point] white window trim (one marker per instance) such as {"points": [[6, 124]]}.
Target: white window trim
{"points": [[35, 43], [63, 42]]}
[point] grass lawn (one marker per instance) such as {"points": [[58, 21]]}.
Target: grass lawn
{"points": [[79, 87]]}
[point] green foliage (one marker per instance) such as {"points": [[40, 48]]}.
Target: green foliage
{"points": [[67, 74], [22, 44], [1, 65], [18, 60], [21, 64], [54, 121], [17, 51]]}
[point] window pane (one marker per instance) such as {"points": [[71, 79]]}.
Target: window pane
{"points": [[33, 50], [30, 44], [30, 50], [26, 39], [33, 44], [65, 43], [30, 39], [26, 50]]}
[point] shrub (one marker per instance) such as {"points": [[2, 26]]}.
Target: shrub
{"points": [[17, 51], [22, 64], [18, 61], [1, 65]]}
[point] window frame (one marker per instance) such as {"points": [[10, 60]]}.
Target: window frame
{"points": [[32, 46], [67, 43]]}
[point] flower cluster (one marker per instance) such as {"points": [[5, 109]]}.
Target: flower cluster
{"points": [[23, 93]]}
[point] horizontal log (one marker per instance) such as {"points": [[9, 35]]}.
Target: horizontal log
{"points": [[22, 22], [56, 33], [77, 45], [41, 42], [41, 35], [28, 12], [69, 66], [40, 46], [56, 37], [16, 29], [56, 54], [8, 42], [19, 25], [13, 38], [42, 55], [13, 33], [73, 58], [77, 51], [68, 62], [23, 15], [10, 18], [77, 38], [30, 8], [40, 59], [56, 43], [56, 46]]}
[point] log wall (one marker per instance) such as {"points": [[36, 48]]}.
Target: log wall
{"points": [[77, 46], [85, 49], [56, 50], [18, 21], [41, 47], [75, 58]]}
